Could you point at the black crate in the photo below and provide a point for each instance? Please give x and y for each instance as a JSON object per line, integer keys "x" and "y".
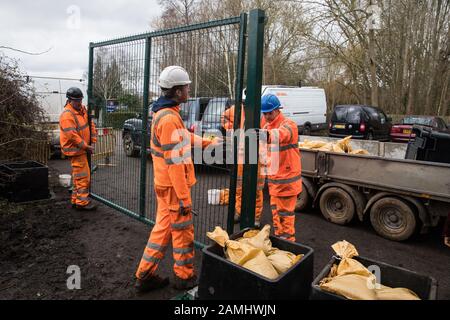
{"x": 221, "y": 279}
{"x": 24, "y": 181}
{"x": 429, "y": 145}
{"x": 395, "y": 277}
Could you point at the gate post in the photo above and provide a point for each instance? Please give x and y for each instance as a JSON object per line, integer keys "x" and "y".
{"x": 145, "y": 100}
{"x": 237, "y": 119}
{"x": 252, "y": 113}
{"x": 90, "y": 97}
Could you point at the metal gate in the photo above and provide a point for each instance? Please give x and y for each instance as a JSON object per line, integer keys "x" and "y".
{"x": 123, "y": 82}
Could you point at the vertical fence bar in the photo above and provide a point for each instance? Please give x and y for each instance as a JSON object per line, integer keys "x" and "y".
{"x": 252, "y": 113}
{"x": 90, "y": 95}
{"x": 143, "y": 180}
{"x": 237, "y": 119}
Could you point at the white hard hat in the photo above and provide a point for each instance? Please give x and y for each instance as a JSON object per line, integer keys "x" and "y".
{"x": 173, "y": 76}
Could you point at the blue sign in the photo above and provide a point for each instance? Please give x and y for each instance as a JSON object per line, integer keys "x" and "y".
{"x": 111, "y": 105}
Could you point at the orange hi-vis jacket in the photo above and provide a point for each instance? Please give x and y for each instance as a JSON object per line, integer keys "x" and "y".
{"x": 74, "y": 131}
{"x": 227, "y": 118}
{"x": 170, "y": 145}
{"x": 283, "y": 149}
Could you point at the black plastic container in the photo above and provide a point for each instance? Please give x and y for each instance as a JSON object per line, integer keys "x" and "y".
{"x": 221, "y": 279}
{"x": 395, "y": 277}
{"x": 24, "y": 181}
{"x": 429, "y": 145}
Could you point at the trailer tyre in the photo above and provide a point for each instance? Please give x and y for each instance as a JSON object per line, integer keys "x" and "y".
{"x": 393, "y": 219}
{"x": 303, "y": 200}
{"x": 337, "y": 206}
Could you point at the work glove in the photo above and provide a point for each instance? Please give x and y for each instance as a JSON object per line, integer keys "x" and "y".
{"x": 185, "y": 208}
{"x": 184, "y": 211}
{"x": 90, "y": 149}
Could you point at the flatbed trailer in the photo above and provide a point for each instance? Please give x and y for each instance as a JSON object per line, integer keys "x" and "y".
{"x": 400, "y": 197}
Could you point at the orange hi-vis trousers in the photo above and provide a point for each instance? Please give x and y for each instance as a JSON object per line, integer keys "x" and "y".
{"x": 283, "y": 216}
{"x": 169, "y": 224}
{"x": 81, "y": 177}
{"x": 259, "y": 193}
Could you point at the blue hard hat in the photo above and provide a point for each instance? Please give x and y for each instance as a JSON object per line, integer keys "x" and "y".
{"x": 270, "y": 102}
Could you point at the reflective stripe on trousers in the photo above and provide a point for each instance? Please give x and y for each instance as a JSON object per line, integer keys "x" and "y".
{"x": 169, "y": 225}
{"x": 284, "y": 216}
{"x": 81, "y": 178}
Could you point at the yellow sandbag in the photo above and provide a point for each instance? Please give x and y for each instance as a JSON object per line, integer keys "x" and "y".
{"x": 345, "y": 249}
{"x": 354, "y": 281}
{"x": 219, "y": 235}
{"x": 244, "y": 254}
{"x": 360, "y": 151}
{"x": 344, "y": 144}
{"x": 350, "y": 286}
{"x": 348, "y": 265}
{"x": 260, "y": 264}
{"x": 328, "y": 147}
{"x": 312, "y": 144}
{"x": 386, "y": 293}
{"x": 251, "y": 233}
{"x": 337, "y": 149}
{"x": 283, "y": 260}
{"x": 224, "y": 197}
{"x": 261, "y": 240}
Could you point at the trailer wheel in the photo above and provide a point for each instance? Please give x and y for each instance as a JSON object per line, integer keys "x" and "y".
{"x": 303, "y": 200}
{"x": 337, "y": 206}
{"x": 393, "y": 219}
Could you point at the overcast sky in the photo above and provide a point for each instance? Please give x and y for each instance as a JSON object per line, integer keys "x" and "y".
{"x": 36, "y": 26}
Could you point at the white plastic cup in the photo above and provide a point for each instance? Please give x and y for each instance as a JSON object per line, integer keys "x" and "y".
{"x": 65, "y": 180}
{"x": 214, "y": 197}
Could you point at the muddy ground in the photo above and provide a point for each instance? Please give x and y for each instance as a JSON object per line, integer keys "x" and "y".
{"x": 39, "y": 241}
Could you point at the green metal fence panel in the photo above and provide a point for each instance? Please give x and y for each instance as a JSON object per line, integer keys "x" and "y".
{"x": 123, "y": 81}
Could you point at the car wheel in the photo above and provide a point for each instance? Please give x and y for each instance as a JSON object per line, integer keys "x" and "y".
{"x": 129, "y": 146}
{"x": 393, "y": 219}
{"x": 307, "y": 130}
{"x": 337, "y": 206}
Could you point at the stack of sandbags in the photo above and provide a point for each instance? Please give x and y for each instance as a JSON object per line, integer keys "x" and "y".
{"x": 341, "y": 146}
{"x": 352, "y": 280}
{"x": 254, "y": 251}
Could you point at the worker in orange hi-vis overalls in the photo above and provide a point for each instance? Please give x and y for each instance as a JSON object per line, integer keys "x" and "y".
{"x": 77, "y": 141}
{"x": 174, "y": 176}
{"x": 227, "y": 122}
{"x": 283, "y": 168}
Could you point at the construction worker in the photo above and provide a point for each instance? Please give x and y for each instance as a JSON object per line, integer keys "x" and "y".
{"x": 174, "y": 176}
{"x": 227, "y": 122}
{"x": 77, "y": 140}
{"x": 284, "y": 179}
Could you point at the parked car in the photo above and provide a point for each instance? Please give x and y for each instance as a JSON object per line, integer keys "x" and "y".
{"x": 360, "y": 122}
{"x": 212, "y": 115}
{"x": 191, "y": 112}
{"x": 402, "y": 132}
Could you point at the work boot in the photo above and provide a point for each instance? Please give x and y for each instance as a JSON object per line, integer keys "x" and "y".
{"x": 185, "y": 284}
{"x": 237, "y": 218}
{"x": 151, "y": 283}
{"x": 89, "y": 207}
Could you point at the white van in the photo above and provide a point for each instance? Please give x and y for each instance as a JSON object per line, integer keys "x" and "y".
{"x": 307, "y": 106}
